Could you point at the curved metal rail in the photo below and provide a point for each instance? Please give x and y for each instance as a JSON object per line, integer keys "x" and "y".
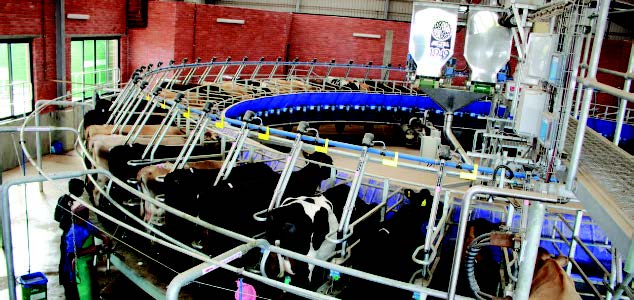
{"x": 202, "y": 119}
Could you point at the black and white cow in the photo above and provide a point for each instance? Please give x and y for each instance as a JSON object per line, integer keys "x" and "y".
{"x": 301, "y": 224}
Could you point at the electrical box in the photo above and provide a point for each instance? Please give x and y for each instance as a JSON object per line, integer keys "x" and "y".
{"x": 429, "y": 146}
{"x": 555, "y": 69}
{"x": 545, "y": 129}
{"x": 539, "y": 57}
{"x": 530, "y": 108}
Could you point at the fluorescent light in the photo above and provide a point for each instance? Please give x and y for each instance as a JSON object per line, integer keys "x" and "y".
{"x": 367, "y": 35}
{"x": 78, "y": 16}
{"x": 229, "y": 21}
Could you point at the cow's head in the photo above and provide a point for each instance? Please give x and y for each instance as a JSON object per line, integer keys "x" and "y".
{"x": 320, "y": 172}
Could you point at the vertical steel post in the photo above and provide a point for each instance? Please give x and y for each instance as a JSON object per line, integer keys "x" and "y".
{"x": 582, "y": 73}
{"x": 573, "y": 242}
{"x": 613, "y": 271}
{"x": 587, "y": 97}
{"x": 623, "y": 104}
{"x": 527, "y": 261}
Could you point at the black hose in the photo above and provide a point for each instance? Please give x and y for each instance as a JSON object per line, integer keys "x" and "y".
{"x": 506, "y": 168}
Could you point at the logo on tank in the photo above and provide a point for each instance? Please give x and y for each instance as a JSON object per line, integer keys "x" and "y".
{"x": 440, "y": 39}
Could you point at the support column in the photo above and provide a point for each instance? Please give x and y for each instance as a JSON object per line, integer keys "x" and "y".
{"x": 387, "y": 50}
{"x": 587, "y": 96}
{"x": 527, "y": 262}
{"x": 623, "y": 105}
{"x": 386, "y": 9}
{"x": 60, "y": 47}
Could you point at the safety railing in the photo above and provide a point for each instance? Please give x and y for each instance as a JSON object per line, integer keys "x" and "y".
{"x": 83, "y": 84}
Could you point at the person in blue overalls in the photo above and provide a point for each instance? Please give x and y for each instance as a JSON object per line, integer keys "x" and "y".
{"x": 79, "y": 253}
{"x": 64, "y": 216}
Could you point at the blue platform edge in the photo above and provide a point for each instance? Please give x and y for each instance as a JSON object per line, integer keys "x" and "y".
{"x": 402, "y": 102}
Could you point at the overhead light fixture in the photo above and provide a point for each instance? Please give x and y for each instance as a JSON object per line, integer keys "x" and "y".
{"x": 366, "y": 35}
{"x": 230, "y": 21}
{"x": 77, "y": 16}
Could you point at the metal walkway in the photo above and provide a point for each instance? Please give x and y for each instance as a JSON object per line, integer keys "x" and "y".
{"x": 604, "y": 184}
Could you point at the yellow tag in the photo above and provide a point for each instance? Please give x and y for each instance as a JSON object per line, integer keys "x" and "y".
{"x": 147, "y": 97}
{"x": 424, "y": 203}
{"x": 163, "y": 105}
{"x": 265, "y": 135}
{"x": 470, "y": 176}
{"x": 220, "y": 124}
{"x": 391, "y": 162}
{"x": 322, "y": 149}
{"x": 187, "y": 114}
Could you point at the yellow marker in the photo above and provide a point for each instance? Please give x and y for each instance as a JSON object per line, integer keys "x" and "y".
{"x": 322, "y": 149}
{"x": 147, "y": 97}
{"x": 265, "y": 136}
{"x": 163, "y": 105}
{"x": 470, "y": 176}
{"x": 220, "y": 124}
{"x": 187, "y": 114}
{"x": 424, "y": 203}
{"x": 391, "y": 162}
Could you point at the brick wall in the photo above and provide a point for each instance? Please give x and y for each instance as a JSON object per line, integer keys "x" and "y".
{"x": 36, "y": 19}
{"x": 155, "y": 42}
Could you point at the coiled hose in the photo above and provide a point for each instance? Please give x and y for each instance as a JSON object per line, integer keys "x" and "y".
{"x": 470, "y": 259}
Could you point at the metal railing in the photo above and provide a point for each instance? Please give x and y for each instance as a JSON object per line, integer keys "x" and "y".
{"x": 84, "y": 83}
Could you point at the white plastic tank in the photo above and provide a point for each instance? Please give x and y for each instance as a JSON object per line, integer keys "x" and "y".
{"x": 432, "y": 37}
{"x": 487, "y": 45}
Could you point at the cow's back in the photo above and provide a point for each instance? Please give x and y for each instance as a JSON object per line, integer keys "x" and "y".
{"x": 551, "y": 282}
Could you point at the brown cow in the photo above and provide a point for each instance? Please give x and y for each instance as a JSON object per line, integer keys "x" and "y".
{"x": 550, "y": 281}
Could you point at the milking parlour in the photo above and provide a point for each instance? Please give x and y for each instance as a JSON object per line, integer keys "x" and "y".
{"x": 317, "y": 150}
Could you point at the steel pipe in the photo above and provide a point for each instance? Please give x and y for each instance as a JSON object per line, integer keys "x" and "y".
{"x": 593, "y": 83}
{"x": 184, "y": 278}
{"x": 527, "y": 262}
{"x": 627, "y": 75}
{"x": 623, "y": 103}
{"x": 585, "y": 106}
{"x": 454, "y": 141}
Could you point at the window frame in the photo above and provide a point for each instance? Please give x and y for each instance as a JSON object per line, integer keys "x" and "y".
{"x": 29, "y": 43}
{"x": 94, "y": 39}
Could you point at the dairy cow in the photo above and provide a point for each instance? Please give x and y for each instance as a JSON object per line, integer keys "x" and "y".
{"x": 550, "y": 281}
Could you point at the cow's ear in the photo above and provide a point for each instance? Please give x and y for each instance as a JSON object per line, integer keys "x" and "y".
{"x": 321, "y": 227}
{"x": 562, "y": 261}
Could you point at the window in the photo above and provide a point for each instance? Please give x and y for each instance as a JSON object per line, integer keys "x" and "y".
{"x": 16, "y": 91}
{"x": 93, "y": 62}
